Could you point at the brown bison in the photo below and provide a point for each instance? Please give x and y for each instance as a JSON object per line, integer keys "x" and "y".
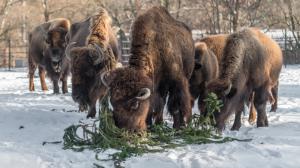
{"x": 161, "y": 64}
{"x": 217, "y": 43}
{"x": 206, "y": 69}
{"x": 246, "y": 66}
{"x": 47, "y": 51}
{"x": 92, "y": 49}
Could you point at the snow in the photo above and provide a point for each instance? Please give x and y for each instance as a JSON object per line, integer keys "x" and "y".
{"x": 27, "y": 119}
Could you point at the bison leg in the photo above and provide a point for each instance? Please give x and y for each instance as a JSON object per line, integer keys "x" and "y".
{"x": 159, "y": 104}
{"x": 252, "y": 112}
{"x": 195, "y": 92}
{"x": 64, "y": 84}
{"x": 237, "y": 120}
{"x": 55, "y": 86}
{"x": 260, "y": 102}
{"x": 275, "y": 96}
{"x": 42, "y": 74}
{"x": 92, "y": 110}
{"x": 201, "y": 103}
{"x": 32, "y": 68}
{"x": 179, "y": 103}
{"x": 97, "y": 92}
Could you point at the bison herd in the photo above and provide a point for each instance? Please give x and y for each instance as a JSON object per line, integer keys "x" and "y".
{"x": 166, "y": 67}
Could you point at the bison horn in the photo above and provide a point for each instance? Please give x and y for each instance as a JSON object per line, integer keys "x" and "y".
{"x": 103, "y": 80}
{"x": 144, "y": 94}
{"x": 68, "y": 50}
{"x": 227, "y": 91}
{"x": 99, "y": 58}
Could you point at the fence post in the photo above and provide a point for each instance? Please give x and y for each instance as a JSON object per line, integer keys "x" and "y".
{"x": 285, "y": 48}
{"x": 9, "y": 55}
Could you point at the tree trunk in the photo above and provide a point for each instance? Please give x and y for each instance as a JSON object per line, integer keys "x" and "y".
{"x": 235, "y": 18}
{"x": 46, "y": 10}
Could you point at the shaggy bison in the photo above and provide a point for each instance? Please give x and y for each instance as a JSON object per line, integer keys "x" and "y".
{"x": 206, "y": 69}
{"x": 161, "y": 64}
{"x": 47, "y": 51}
{"x": 92, "y": 49}
{"x": 246, "y": 66}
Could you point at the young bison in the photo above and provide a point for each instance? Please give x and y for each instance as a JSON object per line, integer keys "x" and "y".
{"x": 206, "y": 69}
{"x": 92, "y": 49}
{"x": 47, "y": 51}
{"x": 161, "y": 64}
{"x": 246, "y": 66}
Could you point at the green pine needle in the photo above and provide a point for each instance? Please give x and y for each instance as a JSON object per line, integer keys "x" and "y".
{"x": 157, "y": 139}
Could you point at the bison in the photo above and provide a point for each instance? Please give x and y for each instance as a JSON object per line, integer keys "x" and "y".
{"x": 246, "y": 66}
{"x": 206, "y": 69}
{"x": 161, "y": 63}
{"x": 47, "y": 52}
{"x": 92, "y": 49}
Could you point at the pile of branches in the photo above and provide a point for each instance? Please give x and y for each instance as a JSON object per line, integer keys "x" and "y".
{"x": 102, "y": 134}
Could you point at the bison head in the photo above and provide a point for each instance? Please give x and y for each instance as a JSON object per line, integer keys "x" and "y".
{"x": 55, "y": 48}
{"x": 86, "y": 62}
{"x": 130, "y": 92}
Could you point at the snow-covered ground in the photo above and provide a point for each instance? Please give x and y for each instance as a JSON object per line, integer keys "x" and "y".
{"x": 27, "y": 119}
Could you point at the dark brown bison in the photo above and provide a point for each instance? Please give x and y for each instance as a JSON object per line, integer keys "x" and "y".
{"x": 161, "y": 64}
{"x": 206, "y": 69}
{"x": 246, "y": 67}
{"x": 92, "y": 49}
{"x": 47, "y": 51}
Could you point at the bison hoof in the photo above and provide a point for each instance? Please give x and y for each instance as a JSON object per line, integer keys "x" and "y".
{"x": 235, "y": 127}
{"x": 90, "y": 116}
{"x": 262, "y": 123}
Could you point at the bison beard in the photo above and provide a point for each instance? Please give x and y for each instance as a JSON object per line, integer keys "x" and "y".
{"x": 46, "y": 51}
{"x": 162, "y": 61}
{"x": 92, "y": 49}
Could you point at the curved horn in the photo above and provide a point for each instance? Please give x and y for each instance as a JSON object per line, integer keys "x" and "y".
{"x": 144, "y": 94}
{"x": 100, "y": 54}
{"x": 227, "y": 91}
{"x": 102, "y": 77}
{"x": 68, "y": 49}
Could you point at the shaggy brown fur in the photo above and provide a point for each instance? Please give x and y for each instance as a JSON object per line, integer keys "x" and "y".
{"x": 95, "y": 50}
{"x": 247, "y": 66}
{"x": 206, "y": 69}
{"x": 162, "y": 60}
{"x": 46, "y": 51}
{"x": 217, "y": 42}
